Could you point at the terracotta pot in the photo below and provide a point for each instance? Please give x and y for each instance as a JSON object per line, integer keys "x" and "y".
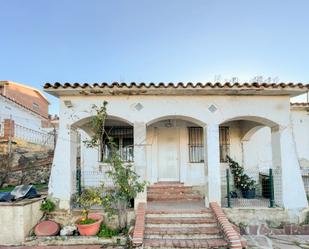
{"x": 90, "y": 229}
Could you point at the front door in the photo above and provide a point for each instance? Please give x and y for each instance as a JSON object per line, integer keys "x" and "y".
{"x": 168, "y": 148}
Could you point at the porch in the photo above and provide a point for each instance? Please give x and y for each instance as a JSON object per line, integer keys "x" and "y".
{"x": 173, "y": 149}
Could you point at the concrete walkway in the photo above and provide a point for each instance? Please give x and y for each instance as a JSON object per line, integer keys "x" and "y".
{"x": 278, "y": 241}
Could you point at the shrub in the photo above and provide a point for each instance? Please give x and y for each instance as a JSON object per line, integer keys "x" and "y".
{"x": 47, "y": 206}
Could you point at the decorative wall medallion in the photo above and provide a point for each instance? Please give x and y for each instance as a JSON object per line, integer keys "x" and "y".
{"x": 212, "y": 108}
{"x": 138, "y": 106}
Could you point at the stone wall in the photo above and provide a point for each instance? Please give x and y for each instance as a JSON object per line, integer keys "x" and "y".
{"x": 30, "y": 163}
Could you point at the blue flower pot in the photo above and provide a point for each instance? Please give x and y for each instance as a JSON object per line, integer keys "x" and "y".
{"x": 248, "y": 193}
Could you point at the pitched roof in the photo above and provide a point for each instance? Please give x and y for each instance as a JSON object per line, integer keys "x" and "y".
{"x": 227, "y": 88}
{"x": 23, "y": 106}
{"x": 300, "y": 106}
{"x": 7, "y": 82}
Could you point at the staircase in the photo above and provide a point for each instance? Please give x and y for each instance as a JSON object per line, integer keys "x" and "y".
{"x": 176, "y": 218}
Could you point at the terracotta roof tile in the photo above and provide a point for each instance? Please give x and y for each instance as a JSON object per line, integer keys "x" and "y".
{"x": 300, "y": 104}
{"x": 189, "y": 85}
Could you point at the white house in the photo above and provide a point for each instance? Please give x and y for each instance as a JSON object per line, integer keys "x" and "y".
{"x": 23, "y": 111}
{"x": 183, "y": 132}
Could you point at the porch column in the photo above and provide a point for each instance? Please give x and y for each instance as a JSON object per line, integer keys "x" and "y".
{"x": 288, "y": 184}
{"x": 62, "y": 179}
{"x": 140, "y": 159}
{"x": 212, "y": 164}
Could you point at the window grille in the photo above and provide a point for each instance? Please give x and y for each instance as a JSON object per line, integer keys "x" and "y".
{"x": 224, "y": 137}
{"x": 122, "y": 138}
{"x": 196, "y": 145}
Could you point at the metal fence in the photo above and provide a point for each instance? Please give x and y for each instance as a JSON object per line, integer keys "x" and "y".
{"x": 33, "y": 136}
{"x": 261, "y": 194}
{"x": 92, "y": 178}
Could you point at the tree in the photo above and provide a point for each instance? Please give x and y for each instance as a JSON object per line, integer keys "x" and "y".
{"x": 98, "y": 128}
{"x": 127, "y": 185}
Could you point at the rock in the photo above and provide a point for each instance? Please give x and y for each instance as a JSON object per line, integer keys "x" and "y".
{"x": 67, "y": 230}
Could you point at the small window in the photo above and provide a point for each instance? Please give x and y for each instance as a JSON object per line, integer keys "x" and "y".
{"x": 196, "y": 145}
{"x": 122, "y": 138}
{"x": 35, "y": 106}
{"x": 224, "y": 136}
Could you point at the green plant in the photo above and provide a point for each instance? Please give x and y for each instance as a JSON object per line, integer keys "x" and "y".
{"x": 241, "y": 180}
{"x": 126, "y": 182}
{"x": 47, "y": 206}
{"x": 106, "y": 232}
{"x": 89, "y": 197}
{"x": 98, "y": 129}
{"x": 126, "y": 187}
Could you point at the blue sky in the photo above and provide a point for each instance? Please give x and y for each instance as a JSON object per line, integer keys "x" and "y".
{"x": 159, "y": 40}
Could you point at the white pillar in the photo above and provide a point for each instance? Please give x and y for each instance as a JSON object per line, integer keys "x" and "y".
{"x": 288, "y": 183}
{"x": 140, "y": 159}
{"x": 62, "y": 179}
{"x": 212, "y": 164}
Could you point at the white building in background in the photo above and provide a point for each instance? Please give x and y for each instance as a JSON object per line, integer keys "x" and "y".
{"x": 23, "y": 113}
{"x": 183, "y": 132}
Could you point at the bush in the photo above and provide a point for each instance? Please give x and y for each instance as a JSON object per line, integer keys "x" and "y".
{"x": 47, "y": 206}
{"x": 106, "y": 232}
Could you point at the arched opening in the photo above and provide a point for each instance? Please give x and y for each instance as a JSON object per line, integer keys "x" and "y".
{"x": 176, "y": 149}
{"x": 250, "y": 145}
{"x": 92, "y": 160}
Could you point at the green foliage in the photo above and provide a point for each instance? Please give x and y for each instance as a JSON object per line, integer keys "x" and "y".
{"x": 106, "y": 232}
{"x": 241, "y": 180}
{"x": 127, "y": 186}
{"x": 97, "y": 126}
{"x": 86, "y": 221}
{"x": 47, "y": 206}
{"x": 126, "y": 181}
{"x": 90, "y": 197}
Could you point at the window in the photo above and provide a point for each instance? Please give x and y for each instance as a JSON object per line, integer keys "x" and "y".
{"x": 35, "y": 106}
{"x": 196, "y": 145}
{"x": 224, "y": 137}
{"x": 122, "y": 137}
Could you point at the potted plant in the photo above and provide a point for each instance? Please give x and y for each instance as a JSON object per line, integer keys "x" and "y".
{"x": 241, "y": 180}
{"x": 89, "y": 224}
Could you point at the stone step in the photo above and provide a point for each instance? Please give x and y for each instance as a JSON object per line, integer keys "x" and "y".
{"x": 182, "y": 230}
{"x": 180, "y": 215}
{"x": 168, "y": 183}
{"x": 200, "y": 211}
{"x": 182, "y": 220}
{"x": 181, "y": 190}
{"x": 180, "y": 225}
{"x": 185, "y": 243}
{"x": 182, "y": 236}
{"x": 173, "y": 197}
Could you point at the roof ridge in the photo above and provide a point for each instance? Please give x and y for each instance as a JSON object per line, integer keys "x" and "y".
{"x": 175, "y": 85}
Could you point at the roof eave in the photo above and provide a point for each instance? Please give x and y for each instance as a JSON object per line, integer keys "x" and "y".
{"x": 97, "y": 91}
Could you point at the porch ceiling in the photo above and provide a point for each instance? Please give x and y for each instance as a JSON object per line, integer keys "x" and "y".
{"x": 266, "y": 89}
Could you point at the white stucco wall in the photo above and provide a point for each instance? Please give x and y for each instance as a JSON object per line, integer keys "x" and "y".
{"x": 19, "y": 114}
{"x": 268, "y": 110}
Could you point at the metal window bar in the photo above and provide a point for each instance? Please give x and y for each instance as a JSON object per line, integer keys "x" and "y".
{"x": 196, "y": 145}
{"x": 224, "y": 141}
{"x": 123, "y": 138}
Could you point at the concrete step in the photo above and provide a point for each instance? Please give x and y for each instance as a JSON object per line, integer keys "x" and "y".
{"x": 180, "y": 220}
{"x": 183, "y": 211}
{"x": 183, "y": 236}
{"x": 179, "y": 215}
{"x": 182, "y": 231}
{"x": 185, "y": 243}
{"x": 173, "y": 197}
{"x": 181, "y": 225}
